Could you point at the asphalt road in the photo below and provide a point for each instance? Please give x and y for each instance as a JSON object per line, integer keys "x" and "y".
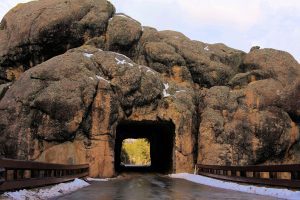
{"x": 158, "y": 187}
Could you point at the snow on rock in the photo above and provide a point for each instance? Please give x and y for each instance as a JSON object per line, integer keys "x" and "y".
{"x": 101, "y": 78}
{"x": 206, "y": 48}
{"x": 88, "y": 55}
{"x": 166, "y": 86}
{"x": 120, "y": 62}
{"x": 165, "y": 93}
{"x": 149, "y": 70}
{"x": 122, "y": 15}
{"x": 274, "y": 192}
{"x": 46, "y": 193}
{"x": 178, "y": 91}
{"x": 122, "y": 55}
{"x": 123, "y": 62}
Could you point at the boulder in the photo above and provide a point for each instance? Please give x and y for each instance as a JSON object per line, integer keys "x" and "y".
{"x": 66, "y": 98}
{"x": 255, "y": 116}
{"x": 122, "y": 33}
{"x": 232, "y": 133}
{"x": 162, "y": 56}
{"x": 208, "y": 64}
{"x": 36, "y": 31}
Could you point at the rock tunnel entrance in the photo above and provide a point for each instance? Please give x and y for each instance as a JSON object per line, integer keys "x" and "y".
{"x": 295, "y": 118}
{"x": 160, "y": 135}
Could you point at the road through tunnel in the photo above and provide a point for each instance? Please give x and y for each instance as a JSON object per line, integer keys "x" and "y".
{"x": 160, "y": 135}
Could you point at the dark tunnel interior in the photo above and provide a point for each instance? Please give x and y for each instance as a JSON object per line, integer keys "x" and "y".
{"x": 161, "y": 137}
{"x": 295, "y": 118}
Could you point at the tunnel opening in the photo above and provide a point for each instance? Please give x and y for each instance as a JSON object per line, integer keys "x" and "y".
{"x": 295, "y": 118}
{"x": 160, "y": 135}
{"x": 135, "y": 152}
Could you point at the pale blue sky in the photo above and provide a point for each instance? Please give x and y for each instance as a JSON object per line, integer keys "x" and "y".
{"x": 237, "y": 23}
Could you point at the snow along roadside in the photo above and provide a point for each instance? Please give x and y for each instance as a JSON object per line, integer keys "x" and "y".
{"x": 46, "y": 193}
{"x": 99, "y": 179}
{"x": 273, "y": 192}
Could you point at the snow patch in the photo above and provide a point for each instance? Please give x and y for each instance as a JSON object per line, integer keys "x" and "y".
{"x": 206, "y": 48}
{"x": 101, "y": 78}
{"x": 151, "y": 71}
{"x": 278, "y": 193}
{"x": 165, "y": 93}
{"x": 166, "y": 86}
{"x": 119, "y": 54}
{"x": 97, "y": 179}
{"x": 120, "y": 62}
{"x": 123, "y": 62}
{"x": 122, "y": 15}
{"x": 88, "y": 55}
{"x": 47, "y": 193}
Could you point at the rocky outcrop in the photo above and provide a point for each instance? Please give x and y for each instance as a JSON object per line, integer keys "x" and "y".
{"x": 84, "y": 93}
{"x": 36, "y": 31}
{"x": 251, "y": 123}
{"x": 71, "y": 71}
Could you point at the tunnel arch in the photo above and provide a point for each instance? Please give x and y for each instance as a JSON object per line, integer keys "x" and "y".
{"x": 161, "y": 135}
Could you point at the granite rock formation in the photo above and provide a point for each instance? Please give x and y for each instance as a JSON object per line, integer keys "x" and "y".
{"x": 71, "y": 71}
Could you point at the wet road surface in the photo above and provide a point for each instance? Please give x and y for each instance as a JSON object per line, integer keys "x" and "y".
{"x": 158, "y": 187}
